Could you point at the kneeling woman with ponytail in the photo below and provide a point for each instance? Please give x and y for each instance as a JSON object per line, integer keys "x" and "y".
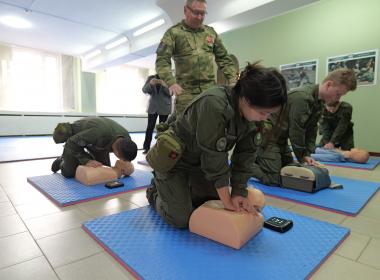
{"x": 214, "y": 123}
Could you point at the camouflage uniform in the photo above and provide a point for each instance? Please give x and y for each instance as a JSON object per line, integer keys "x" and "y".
{"x": 89, "y": 139}
{"x": 299, "y": 125}
{"x": 210, "y": 126}
{"x": 194, "y": 52}
{"x": 337, "y": 127}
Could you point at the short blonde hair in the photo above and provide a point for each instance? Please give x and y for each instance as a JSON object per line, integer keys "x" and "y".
{"x": 343, "y": 76}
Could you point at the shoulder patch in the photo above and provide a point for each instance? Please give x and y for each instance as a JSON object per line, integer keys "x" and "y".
{"x": 258, "y": 139}
{"x": 221, "y": 144}
{"x": 161, "y": 47}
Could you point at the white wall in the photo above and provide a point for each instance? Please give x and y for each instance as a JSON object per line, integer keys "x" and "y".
{"x": 12, "y": 124}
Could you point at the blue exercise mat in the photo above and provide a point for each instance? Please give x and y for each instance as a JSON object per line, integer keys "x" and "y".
{"x": 151, "y": 249}
{"x": 20, "y": 148}
{"x": 64, "y": 192}
{"x": 349, "y": 200}
{"x": 370, "y": 165}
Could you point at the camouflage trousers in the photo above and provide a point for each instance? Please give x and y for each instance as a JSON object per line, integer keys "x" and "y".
{"x": 179, "y": 192}
{"x": 70, "y": 163}
{"x": 269, "y": 161}
{"x": 181, "y": 102}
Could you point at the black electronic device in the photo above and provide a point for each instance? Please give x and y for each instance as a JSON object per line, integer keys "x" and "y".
{"x": 114, "y": 184}
{"x": 278, "y": 224}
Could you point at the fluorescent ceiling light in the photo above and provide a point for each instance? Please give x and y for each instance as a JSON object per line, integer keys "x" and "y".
{"x": 221, "y": 27}
{"x": 15, "y": 22}
{"x": 92, "y": 54}
{"x": 149, "y": 27}
{"x": 116, "y": 43}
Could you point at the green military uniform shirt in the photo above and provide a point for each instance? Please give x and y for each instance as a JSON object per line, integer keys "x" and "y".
{"x": 194, "y": 52}
{"x": 96, "y": 134}
{"x": 337, "y": 127}
{"x": 303, "y": 111}
{"x": 210, "y": 127}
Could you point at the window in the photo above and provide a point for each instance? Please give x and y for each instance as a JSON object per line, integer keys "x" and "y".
{"x": 30, "y": 81}
{"x": 118, "y": 90}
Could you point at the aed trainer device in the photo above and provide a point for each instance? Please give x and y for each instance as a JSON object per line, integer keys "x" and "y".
{"x": 114, "y": 184}
{"x": 278, "y": 224}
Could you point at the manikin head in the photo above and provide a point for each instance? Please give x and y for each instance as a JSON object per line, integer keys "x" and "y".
{"x": 195, "y": 12}
{"x": 357, "y": 155}
{"x": 125, "y": 168}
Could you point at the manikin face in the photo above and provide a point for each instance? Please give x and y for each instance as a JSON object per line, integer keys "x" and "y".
{"x": 332, "y": 92}
{"x": 195, "y": 14}
{"x": 254, "y": 113}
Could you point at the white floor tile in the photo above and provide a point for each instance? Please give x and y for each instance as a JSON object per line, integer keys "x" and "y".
{"x": 17, "y": 249}
{"x": 67, "y": 247}
{"x": 97, "y": 267}
{"x": 35, "y": 269}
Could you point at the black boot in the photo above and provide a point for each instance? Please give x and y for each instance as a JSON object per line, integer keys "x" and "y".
{"x": 56, "y": 165}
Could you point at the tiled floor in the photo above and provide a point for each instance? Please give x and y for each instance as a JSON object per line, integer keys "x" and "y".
{"x": 39, "y": 240}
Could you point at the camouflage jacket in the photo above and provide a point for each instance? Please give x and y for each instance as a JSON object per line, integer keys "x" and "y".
{"x": 336, "y": 126}
{"x": 194, "y": 52}
{"x": 300, "y": 123}
{"x": 95, "y": 134}
{"x": 210, "y": 127}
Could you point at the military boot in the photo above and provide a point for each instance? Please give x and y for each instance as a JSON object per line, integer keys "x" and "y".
{"x": 56, "y": 165}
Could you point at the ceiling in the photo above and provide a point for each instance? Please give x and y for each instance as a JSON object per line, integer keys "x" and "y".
{"x": 77, "y": 27}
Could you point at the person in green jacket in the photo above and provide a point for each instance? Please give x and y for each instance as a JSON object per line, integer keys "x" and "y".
{"x": 195, "y": 48}
{"x": 336, "y": 126}
{"x": 214, "y": 123}
{"x": 299, "y": 125}
{"x": 89, "y": 142}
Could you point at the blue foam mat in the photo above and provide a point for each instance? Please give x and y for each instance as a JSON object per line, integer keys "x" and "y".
{"x": 349, "y": 200}
{"x": 370, "y": 165}
{"x": 64, "y": 192}
{"x": 20, "y": 148}
{"x": 151, "y": 249}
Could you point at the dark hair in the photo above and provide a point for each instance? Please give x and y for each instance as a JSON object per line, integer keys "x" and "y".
{"x": 127, "y": 148}
{"x": 261, "y": 86}
{"x": 62, "y": 132}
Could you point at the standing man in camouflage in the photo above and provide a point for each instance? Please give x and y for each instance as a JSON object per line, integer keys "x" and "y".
{"x": 299, "y": 124}
{"x": 336, "y": 126}
{"x": 89, "y": 142}
{"x": 194, "y": 47}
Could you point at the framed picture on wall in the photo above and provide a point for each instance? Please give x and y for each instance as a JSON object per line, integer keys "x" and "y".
{"x": 363, "y": 63}
{"x": 300, "y": 73}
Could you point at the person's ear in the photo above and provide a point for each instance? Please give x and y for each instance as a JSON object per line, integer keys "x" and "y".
{"x": 329, "y": 83}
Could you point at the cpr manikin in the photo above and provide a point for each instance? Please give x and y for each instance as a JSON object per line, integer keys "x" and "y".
{"x": 96, "y": 175}
{"x": 356, "y": 155}
{"x": 230, "y": 228}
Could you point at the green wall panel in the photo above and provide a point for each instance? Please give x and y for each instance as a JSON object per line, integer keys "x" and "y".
{"x": 326, "y": 28}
